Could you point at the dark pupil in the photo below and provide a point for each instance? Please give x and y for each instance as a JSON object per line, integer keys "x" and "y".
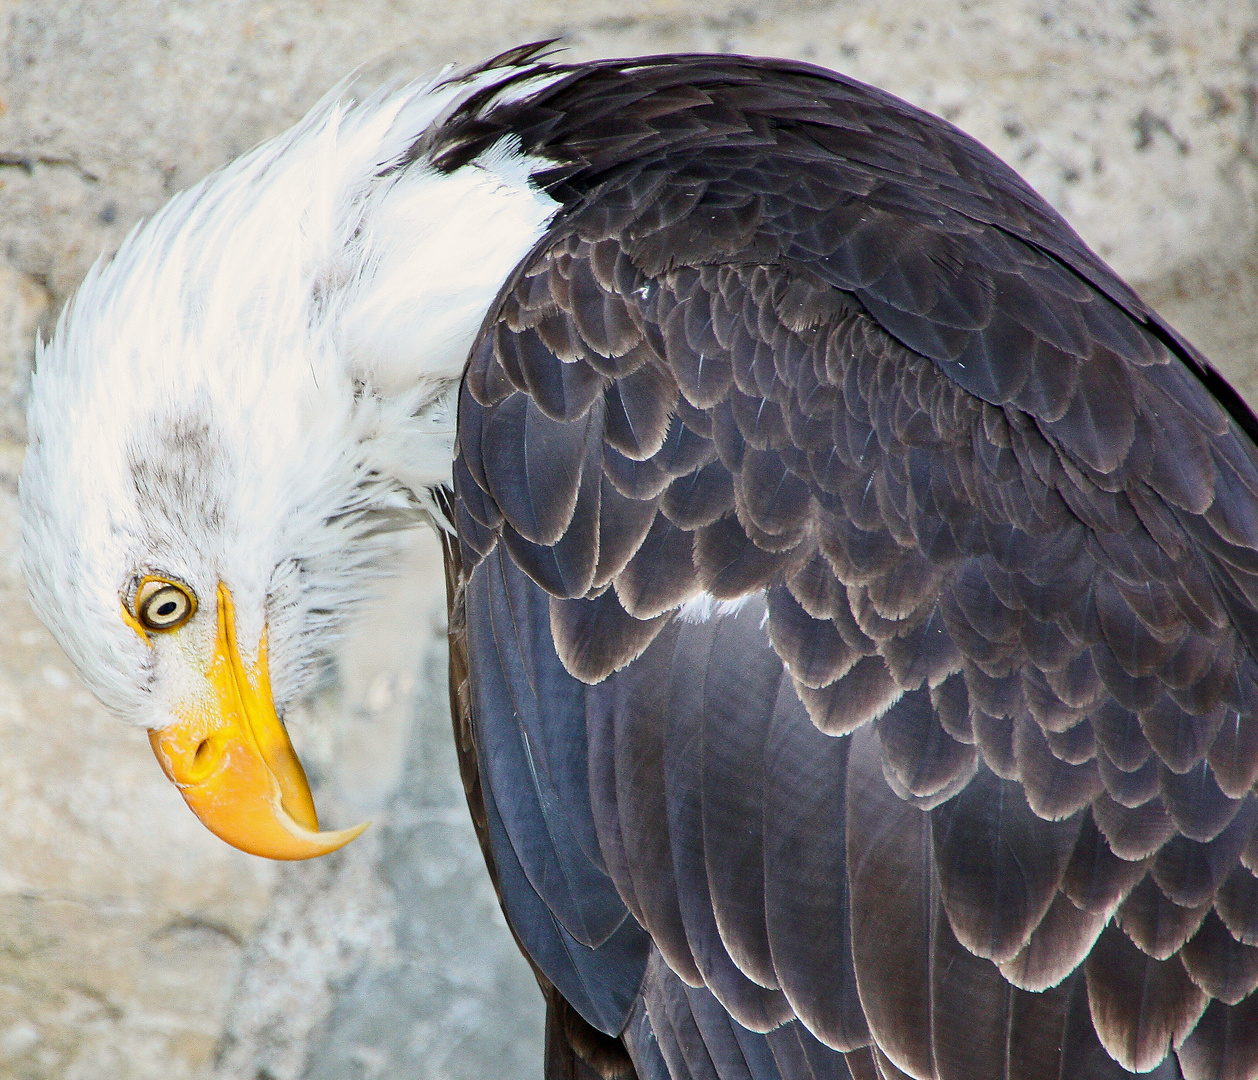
{"x": 167, "y": 608}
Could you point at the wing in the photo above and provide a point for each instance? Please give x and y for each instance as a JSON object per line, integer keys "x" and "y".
{"x": 860, "y": 612}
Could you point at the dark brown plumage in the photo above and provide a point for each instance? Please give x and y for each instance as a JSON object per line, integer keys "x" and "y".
{"x": 964, "y": 789}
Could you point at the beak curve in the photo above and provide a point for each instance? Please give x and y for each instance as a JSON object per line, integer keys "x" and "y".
{"x": 233, "y": 763}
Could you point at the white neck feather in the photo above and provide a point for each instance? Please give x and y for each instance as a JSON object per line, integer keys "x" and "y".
{"x": 433, "y": 252}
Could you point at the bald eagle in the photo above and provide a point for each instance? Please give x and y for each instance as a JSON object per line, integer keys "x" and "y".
{"x": 853, "y": 585}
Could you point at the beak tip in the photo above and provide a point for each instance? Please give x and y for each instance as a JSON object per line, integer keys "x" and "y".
{"x": 284, "y": 840}
{"x": 306, "y": 844}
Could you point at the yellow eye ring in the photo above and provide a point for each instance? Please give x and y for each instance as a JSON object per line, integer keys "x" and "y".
{"x": 162, "y": 605}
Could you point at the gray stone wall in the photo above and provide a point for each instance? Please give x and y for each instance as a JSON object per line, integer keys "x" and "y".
{"x": 135, "y": 945}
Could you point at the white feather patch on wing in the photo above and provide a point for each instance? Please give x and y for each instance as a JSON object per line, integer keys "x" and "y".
{"x": 705, "y": 606}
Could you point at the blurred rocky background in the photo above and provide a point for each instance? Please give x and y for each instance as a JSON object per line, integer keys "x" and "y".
{"x": 133, "y": 945}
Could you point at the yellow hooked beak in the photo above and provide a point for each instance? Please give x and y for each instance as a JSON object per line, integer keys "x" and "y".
{"x": 231, "y": 759}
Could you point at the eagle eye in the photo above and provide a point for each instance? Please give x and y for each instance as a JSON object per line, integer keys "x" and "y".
{"x": 163, "y": 605}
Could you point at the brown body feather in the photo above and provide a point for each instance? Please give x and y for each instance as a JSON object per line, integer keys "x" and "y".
{"x": 965, "y": 787}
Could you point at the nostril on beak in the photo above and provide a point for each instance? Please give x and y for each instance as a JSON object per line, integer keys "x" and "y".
{"x": 202, "y": 750}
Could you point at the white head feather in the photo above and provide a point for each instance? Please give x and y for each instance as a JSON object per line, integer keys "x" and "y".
{"x": 267, "y": 363}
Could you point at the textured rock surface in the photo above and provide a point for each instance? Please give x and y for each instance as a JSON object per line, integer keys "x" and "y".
{"x": 133, "y": 944}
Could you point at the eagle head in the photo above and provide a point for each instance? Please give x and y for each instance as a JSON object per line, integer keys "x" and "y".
{"x": 235, "y": 409}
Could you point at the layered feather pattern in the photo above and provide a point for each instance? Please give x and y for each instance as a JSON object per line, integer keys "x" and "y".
{"x": 962, "y": 785}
